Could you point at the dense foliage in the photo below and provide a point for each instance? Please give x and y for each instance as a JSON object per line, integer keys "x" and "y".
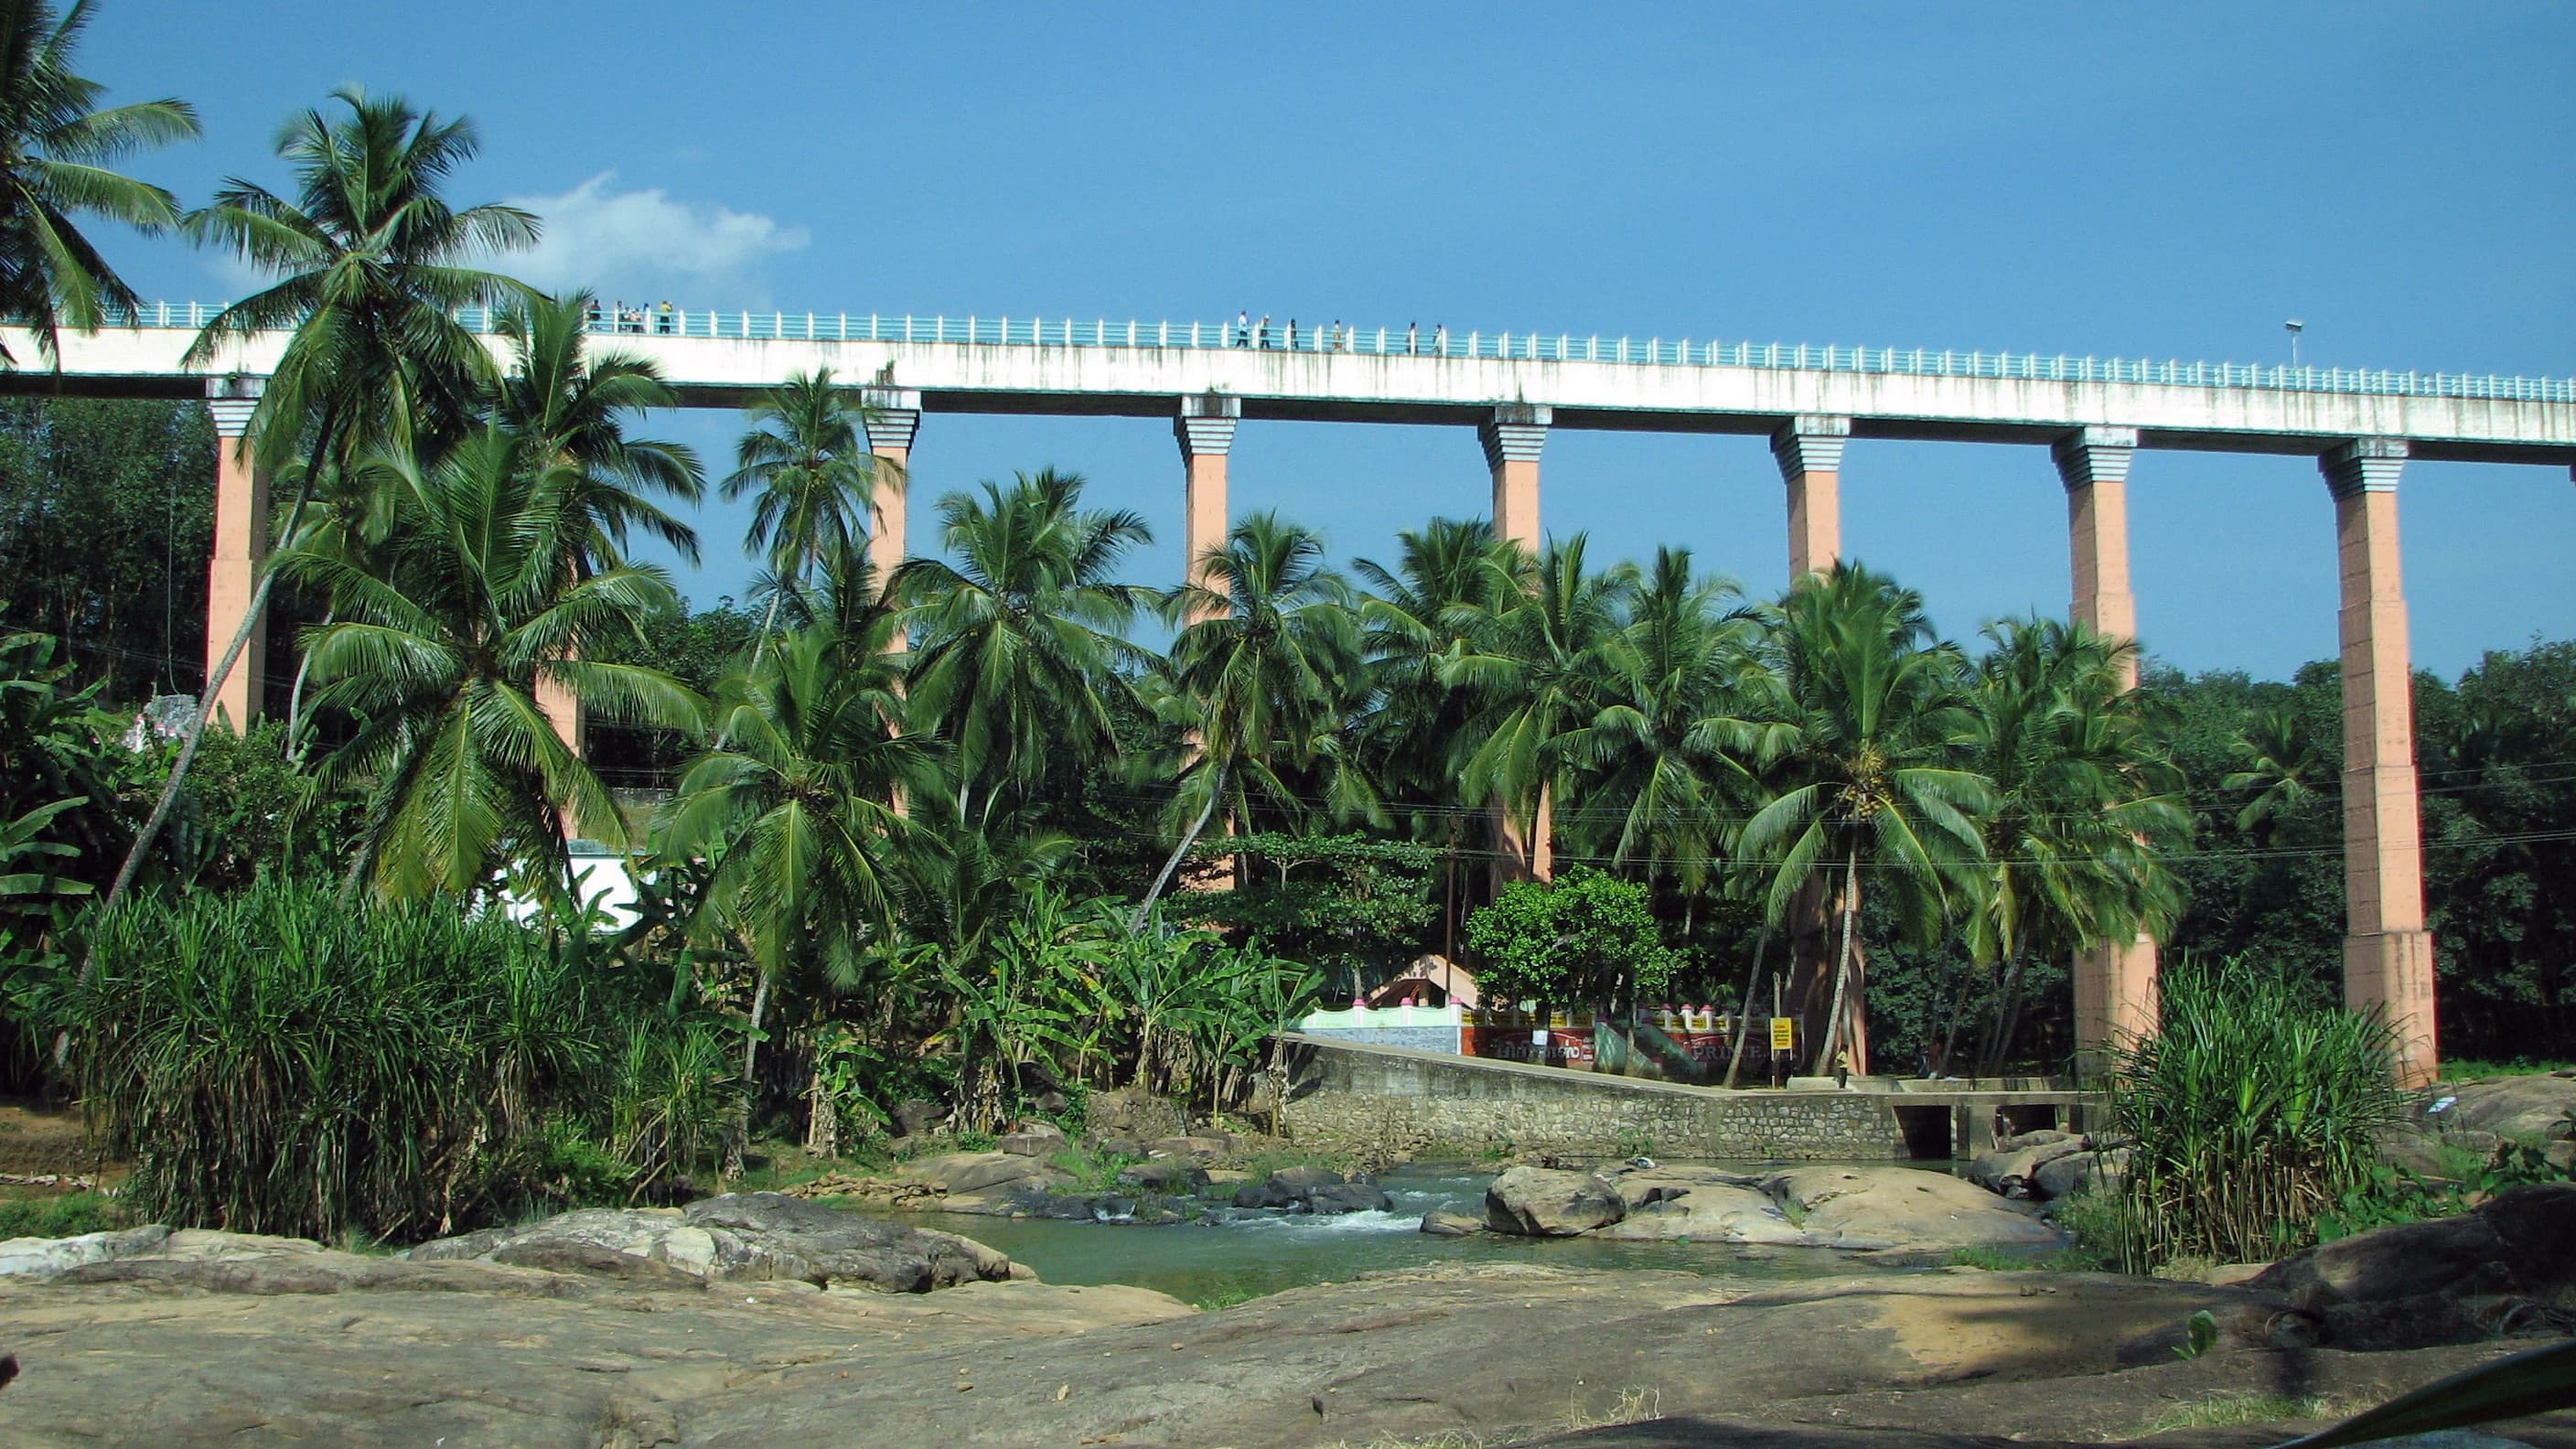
{"x": 2251, "y": 1115}
{"x": 954, "y": 830}
{"x": 273, "y": 1062}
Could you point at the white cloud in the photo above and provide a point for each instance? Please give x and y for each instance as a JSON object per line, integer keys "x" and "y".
{"x": 634, "y": 242}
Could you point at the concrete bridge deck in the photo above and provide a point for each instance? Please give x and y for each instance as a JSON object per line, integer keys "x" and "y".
{"x": 1137, "y": 369}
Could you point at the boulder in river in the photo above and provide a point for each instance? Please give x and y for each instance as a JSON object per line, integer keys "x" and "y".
{"x": 1541, "y": 1202}
{"x": 1313, "y": 1190}
{"x": 1443, "y": 1224}
{"x": 1172, "y": 1179}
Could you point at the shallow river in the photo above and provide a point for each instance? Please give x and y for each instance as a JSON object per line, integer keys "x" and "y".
{"x": 1225, "y": 1262}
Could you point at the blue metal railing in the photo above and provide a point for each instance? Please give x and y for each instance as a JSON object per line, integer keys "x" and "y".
{"x": 1533, "y": 346}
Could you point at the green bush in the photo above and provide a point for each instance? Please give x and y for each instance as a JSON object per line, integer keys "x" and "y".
{"x": 282, "y": 1061}
{"x": 2253, "y": 1113}
{"x": 61, "y": 1216}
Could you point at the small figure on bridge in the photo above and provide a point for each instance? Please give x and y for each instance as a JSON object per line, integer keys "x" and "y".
{"x": 1243, "y": 328}
{"x": 1412, "y": 338}
{"x": 1263, "y": 336}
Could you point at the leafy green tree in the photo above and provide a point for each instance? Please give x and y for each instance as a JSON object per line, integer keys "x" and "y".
{"x": 440, "y": 662}
{"x": 1265, "y": 679}
{"x": 1881, "y": 770}
{"x": 1021, "y": 638}
{"x": 58, "y": 151}
{"x": 1357, "y": 909}
{"x": 106, "y": 521}
{"x": 1585, "y": 937}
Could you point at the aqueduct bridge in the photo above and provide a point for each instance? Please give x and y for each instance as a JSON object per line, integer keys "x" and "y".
{"x": 1513, "y": 388}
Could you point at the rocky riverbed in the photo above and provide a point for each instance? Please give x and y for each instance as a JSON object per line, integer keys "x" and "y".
{"x": 205, "y": 1339}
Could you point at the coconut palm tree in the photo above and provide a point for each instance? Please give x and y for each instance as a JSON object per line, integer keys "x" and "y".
{"x": 440, "y": 658}
{"x": 1263, "y": 680}
{"x": 2282, "y": 768}
{"x": 2082, "y": 801}
{"x": 1447, "y": 580}
{"x": 1535, "y": 666}
{"x": 576, "y": 404}
{"x": 371, "y": 264}
{"x": 1021, "y": 636}
{"x": 806, "y": 459}
{"x": 1880, "y": 773}
{"x": 1667, "y": 762}
{"x": 57, "y": 154}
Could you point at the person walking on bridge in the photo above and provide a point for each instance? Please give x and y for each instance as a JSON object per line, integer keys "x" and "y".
{"x": 1261, "y": 338}
{"x": 1243, "y": 328}
{"x": 1412, "y": 338}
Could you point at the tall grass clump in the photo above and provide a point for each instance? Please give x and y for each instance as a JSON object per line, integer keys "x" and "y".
{"x": 2251, "y": 1113}
{"x": 282, "y": 1061}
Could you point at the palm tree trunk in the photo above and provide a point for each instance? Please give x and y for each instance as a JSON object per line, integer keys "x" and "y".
{"x": 1216, "y": 788}
{"x": 1958, "y": 1014}
{"x": 252, "y": 621}
{"x": 750, "y": 1088}
{"x": 1752, "y": 984}
{"x": 2007, "y": 1010}
{"x": 2000, "y": 1032}
{"x": 187, "y": 753}
{"x": 1842, "y": 968}
{"x": 295, "y": 700}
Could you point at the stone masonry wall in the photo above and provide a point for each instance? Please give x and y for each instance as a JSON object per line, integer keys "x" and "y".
{"x": 1377, "y": 1095}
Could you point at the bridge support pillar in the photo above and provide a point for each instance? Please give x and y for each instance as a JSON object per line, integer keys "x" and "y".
{"x": 1514, "y": 437}
{"x": 2115, "y": 983}
{"x": 1205, "y": 429}
{"x": 892, "y": 417}
{"x": 241, "y": 546}
{"x": 1809, "y": 450}
{"x": 2387, "y": 953}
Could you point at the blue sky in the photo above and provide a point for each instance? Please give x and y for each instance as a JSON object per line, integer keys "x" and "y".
{"x": 2169, "y": 181}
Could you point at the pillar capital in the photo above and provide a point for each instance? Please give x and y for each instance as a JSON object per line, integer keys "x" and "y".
{"x": 1810, "y": 443}
{"x": 2094, "y": 455}
{"x": 1205, "y": 426}
{"x": 2364, "y": 465}
{"x": 1516, "y": 433}
{"x": 893, "y": 417}
{"x": 232, "y": 400}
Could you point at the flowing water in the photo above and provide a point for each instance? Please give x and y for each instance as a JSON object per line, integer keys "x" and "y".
{"x": 1250, "y": 1255}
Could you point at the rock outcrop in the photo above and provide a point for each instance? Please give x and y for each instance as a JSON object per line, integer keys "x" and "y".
{"x": 758, "y": 1236}
{"x": 1868, "y": 1209}
{"x": 2508, "y": 1266}
{"x": 1542, "y": 1202}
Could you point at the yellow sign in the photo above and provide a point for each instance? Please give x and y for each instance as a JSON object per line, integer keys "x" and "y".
{"x": 1781, "y": 1026}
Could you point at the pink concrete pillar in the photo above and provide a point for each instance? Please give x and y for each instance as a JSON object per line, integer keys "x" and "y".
{"x": 241, "y": 545}
{"x": 1514, "y": 437}
{"x": 1205, "y": 429}
{"x": 2115, "y": 981}
{"x": 893, "y": 418}
{"x": 1810, "y": 453}
{"x": 2387, "y": 953}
